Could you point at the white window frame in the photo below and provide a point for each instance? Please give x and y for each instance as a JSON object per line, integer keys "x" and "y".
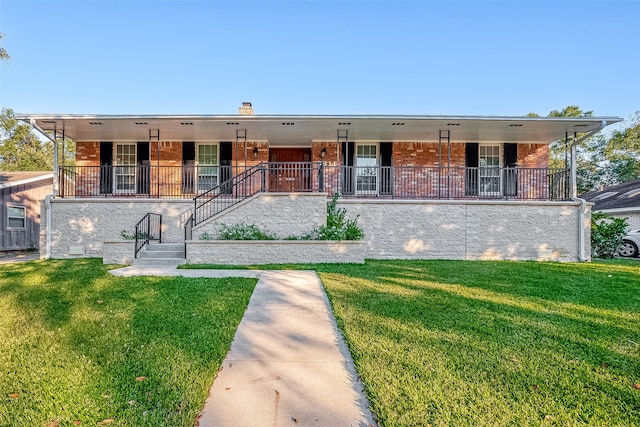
{"x": 361, "y": 169}
{"x": 124, "y": 169}
{"x": 494, "y": 176}
{"x": 206, "y": 171}
{"x": 23, "y": 218}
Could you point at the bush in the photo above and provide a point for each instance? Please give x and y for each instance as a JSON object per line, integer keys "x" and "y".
{"x": 244, "y": 231}
{"x": 337, "y": 226}
{"x": 607, "y": 233}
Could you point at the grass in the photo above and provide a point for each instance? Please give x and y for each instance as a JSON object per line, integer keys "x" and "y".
{"x": 81, "y": 347}
{"x": 438, "y": 343}
{"x": 446, "y": 343}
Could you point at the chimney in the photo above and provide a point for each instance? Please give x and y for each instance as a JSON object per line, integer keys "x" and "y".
{"x": 246, "y": 109}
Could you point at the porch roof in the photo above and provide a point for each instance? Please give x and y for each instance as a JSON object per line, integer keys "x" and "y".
{"x": 292, "y": 130}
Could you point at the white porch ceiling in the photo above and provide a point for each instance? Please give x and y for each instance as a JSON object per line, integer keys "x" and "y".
{"x": 301, "y": 130}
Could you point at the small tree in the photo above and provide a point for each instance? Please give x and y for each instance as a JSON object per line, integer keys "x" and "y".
{"x": 607, "y": 233}
{"x": 338, "y": 227}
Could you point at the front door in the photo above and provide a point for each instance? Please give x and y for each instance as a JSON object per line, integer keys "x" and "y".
{"x": 290, "y": 169}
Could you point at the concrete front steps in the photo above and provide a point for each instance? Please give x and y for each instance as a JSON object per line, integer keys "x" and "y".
{"x": 161, "y": 254}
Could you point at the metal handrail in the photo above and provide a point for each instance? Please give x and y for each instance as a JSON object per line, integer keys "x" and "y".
{"x": 148, "y": 228}
{"x": 228, "y": 193}
{"x": 188, "y": 232}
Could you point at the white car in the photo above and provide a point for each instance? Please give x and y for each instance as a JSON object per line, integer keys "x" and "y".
{"x": 630, "y": 244}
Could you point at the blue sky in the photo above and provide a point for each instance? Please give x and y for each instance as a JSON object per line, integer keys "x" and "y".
{"x": 317, "y": 57}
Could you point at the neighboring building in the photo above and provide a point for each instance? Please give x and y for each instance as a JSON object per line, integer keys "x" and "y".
{"x": 461, "y": 187}
{"x": 620, "y": 201}
{"x": 21, "y": 193}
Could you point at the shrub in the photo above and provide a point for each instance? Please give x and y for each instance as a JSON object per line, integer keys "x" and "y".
{"x": 244, "y": 231}
{"x": 338, "y": 227}
{"x": 132, "y": 236}
{"x": 607, "y": 233}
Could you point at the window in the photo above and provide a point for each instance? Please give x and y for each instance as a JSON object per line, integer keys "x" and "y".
{"x": 366, "y": 168}
{"x": 488, "y": 168}
{"x": 125, "y": 168}
{"x": 16, "y": 217}
{"x": 207, "y": 166}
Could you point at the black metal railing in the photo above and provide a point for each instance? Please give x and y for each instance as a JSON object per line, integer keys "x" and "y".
{"x": 229, "y": 193}
{"x": 409, "y": 182}
{"x": 148, "y": 228}
{"x": 188, "y": 232}
{"x": 219, "y": 187}
{"x": 182, "y": 182}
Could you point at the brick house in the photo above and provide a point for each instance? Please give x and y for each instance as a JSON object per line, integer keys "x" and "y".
{"x": 467, "y": 187}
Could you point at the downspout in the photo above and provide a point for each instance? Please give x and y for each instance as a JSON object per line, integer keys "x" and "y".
{"x": 574, "y": 190}
{"x": 48, "y": 197}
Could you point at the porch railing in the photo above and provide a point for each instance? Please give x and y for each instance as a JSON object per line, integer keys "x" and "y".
{"x": 212, "y": 185}
{"x": 148, "y": 228}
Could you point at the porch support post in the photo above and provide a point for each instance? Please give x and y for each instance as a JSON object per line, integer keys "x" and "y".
{"x": 154, "y": 134}
{"x": 241, "y": 135}
{"x": 343, "y": 136}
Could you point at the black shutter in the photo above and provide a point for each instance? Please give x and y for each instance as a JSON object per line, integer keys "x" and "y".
{"x": 106, "y": 167}
{"x": 471, "y": 175}
{"x": 188, "y": 167}
{"x": 348, "y": 174}
{"x": 226, "y": 157}
{"x": 143, "y": 173}
{"x": 386, "y": 177}
{"x": 510, "y": 178}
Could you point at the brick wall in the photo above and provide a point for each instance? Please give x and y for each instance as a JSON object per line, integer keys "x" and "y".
{"x": 533, "y": 155}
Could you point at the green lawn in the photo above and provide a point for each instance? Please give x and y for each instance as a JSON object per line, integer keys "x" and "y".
{"x": 441, "y": 343}
{"x": 78, "y": 345}
{"x": 455, "y": 343}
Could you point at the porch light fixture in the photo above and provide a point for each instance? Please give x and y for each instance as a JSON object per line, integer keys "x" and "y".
{"x": 323, "y": 152}
{"x": 255, "y": 152}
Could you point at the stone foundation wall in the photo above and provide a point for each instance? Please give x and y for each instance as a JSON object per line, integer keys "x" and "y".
{"x": 394, "y": 229}
{"x": 283, "y": 214}
{"x": 82, "y": 225}
{"x": 469, "y": 229}
{"x": 274, "y": 252}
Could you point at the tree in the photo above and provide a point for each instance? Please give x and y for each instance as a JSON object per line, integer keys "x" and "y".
{"x": 558, "y": 150}
{"x": 622, "y": 151}
{"x": 20, "y": 148}
{"x": 4, "y": 56}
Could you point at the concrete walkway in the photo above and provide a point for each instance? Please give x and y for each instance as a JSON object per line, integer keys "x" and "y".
{"x": 288, "y": 364}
